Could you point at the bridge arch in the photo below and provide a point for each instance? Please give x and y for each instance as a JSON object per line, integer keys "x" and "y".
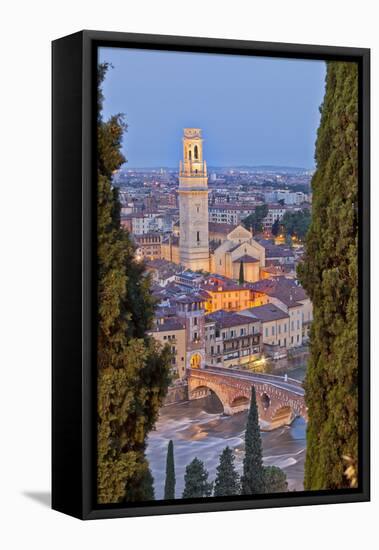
{"x": 265, "y": 400}
{"x": 282, "y": 415}
{"x": 203, "y": 390}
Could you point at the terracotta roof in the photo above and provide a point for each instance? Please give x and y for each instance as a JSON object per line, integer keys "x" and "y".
{"x": 288, "y": 291}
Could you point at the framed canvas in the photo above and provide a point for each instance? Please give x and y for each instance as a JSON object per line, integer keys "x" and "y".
{"x": 210, "y": 275}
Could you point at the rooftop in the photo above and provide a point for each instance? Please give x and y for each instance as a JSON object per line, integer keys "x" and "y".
{"x": 226, "y": 319}
{"x": 224, "y": 228}
{"x": 221, "y": 284}
{"x": 246, "y": 259}
{"x": 173, "y": 323}
{"x": 267, "y": 312}
{"x": 288, "y": 291}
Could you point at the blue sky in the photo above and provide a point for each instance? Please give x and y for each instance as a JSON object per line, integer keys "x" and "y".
{"x": 253, "y": 110}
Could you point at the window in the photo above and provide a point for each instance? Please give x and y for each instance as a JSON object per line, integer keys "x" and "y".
{"x": 195, "y": 321}
{"x": 196, "y": 152}
{"x": 285, "y": 327}
{"x": 266, "y": 331}
{"x": 273, "y": 331}
{"x": 292, "y": 327}
{"x": 298, "y": 338}
{"x": 298, "y": 324}
{"x": 198, "y": 236}
{"x": 280, "y": 329}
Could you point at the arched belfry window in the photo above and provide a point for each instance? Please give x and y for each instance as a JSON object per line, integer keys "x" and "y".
{"x": 196, "y": 152}
{"x": 190, "y": 154}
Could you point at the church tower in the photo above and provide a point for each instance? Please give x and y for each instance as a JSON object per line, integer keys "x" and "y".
{"x": 193, "y": 203}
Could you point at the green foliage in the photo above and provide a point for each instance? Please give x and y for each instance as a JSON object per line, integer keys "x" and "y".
{"x": 297, "y": 223}
{"x": 227, "y": 479}
{"x": 254, "y": 220}
{"x": 275, "y": 480}
{"x": 169, "y": 488}
{"x": 133, "y": 371}
{"x": 252, "y": 480}
{"x": 241, "y": 278}
{"x": 329, "y": 274}
{"x": 196, "y": 481}
{"x": 141, "y": 486}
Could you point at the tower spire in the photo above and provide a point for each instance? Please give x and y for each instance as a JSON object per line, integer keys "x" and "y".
{"x": 193, "y": 203}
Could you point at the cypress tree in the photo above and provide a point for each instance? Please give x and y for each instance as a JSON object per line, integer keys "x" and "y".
{"x": 196, "y": 481}
{"x": 252, "y": 480}
{"x": 227, "y": 479}
{"x": 169, "y": 488}
{"x": 133, "y": 372}
{"x": 275, "y": 480}
{"x": 329, "y": 274}
{"x": 141, "y": 486}
{"x": 241, "y": 278}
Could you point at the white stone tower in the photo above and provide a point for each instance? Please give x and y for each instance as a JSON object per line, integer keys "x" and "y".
{"x": 193, "y": 203}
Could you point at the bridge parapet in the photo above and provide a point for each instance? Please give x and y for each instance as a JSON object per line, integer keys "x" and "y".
{"x": 278, "y": 402}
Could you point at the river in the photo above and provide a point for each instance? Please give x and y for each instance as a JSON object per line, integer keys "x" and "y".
{"x": 199, "y": 429}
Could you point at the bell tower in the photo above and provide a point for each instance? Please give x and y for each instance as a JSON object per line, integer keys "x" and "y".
{"x": 193, "y": 203}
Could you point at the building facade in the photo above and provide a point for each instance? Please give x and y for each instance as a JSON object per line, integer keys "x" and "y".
{"x": 239, "y": 248}
{"x": 190, "y": 309}
{"x": 232, "y": 339}
{"x": 173, "y": 333}
{"x": 148, "y": 246}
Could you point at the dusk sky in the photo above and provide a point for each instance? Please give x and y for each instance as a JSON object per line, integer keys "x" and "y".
{"x": 252, "y": 110}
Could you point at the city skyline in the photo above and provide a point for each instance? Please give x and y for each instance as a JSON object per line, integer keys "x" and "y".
{"x": 225, "y": 95}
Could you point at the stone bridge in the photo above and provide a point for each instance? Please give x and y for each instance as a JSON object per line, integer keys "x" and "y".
{"x": 279, "y": 401}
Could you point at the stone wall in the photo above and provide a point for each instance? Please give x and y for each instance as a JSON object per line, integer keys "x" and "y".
{"x": 176, "y": 394}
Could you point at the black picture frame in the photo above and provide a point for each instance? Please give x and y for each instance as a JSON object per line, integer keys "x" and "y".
{"x": 74, "y": 272}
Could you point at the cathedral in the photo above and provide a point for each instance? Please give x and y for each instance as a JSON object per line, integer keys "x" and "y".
{"x": 189, "y": 245}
